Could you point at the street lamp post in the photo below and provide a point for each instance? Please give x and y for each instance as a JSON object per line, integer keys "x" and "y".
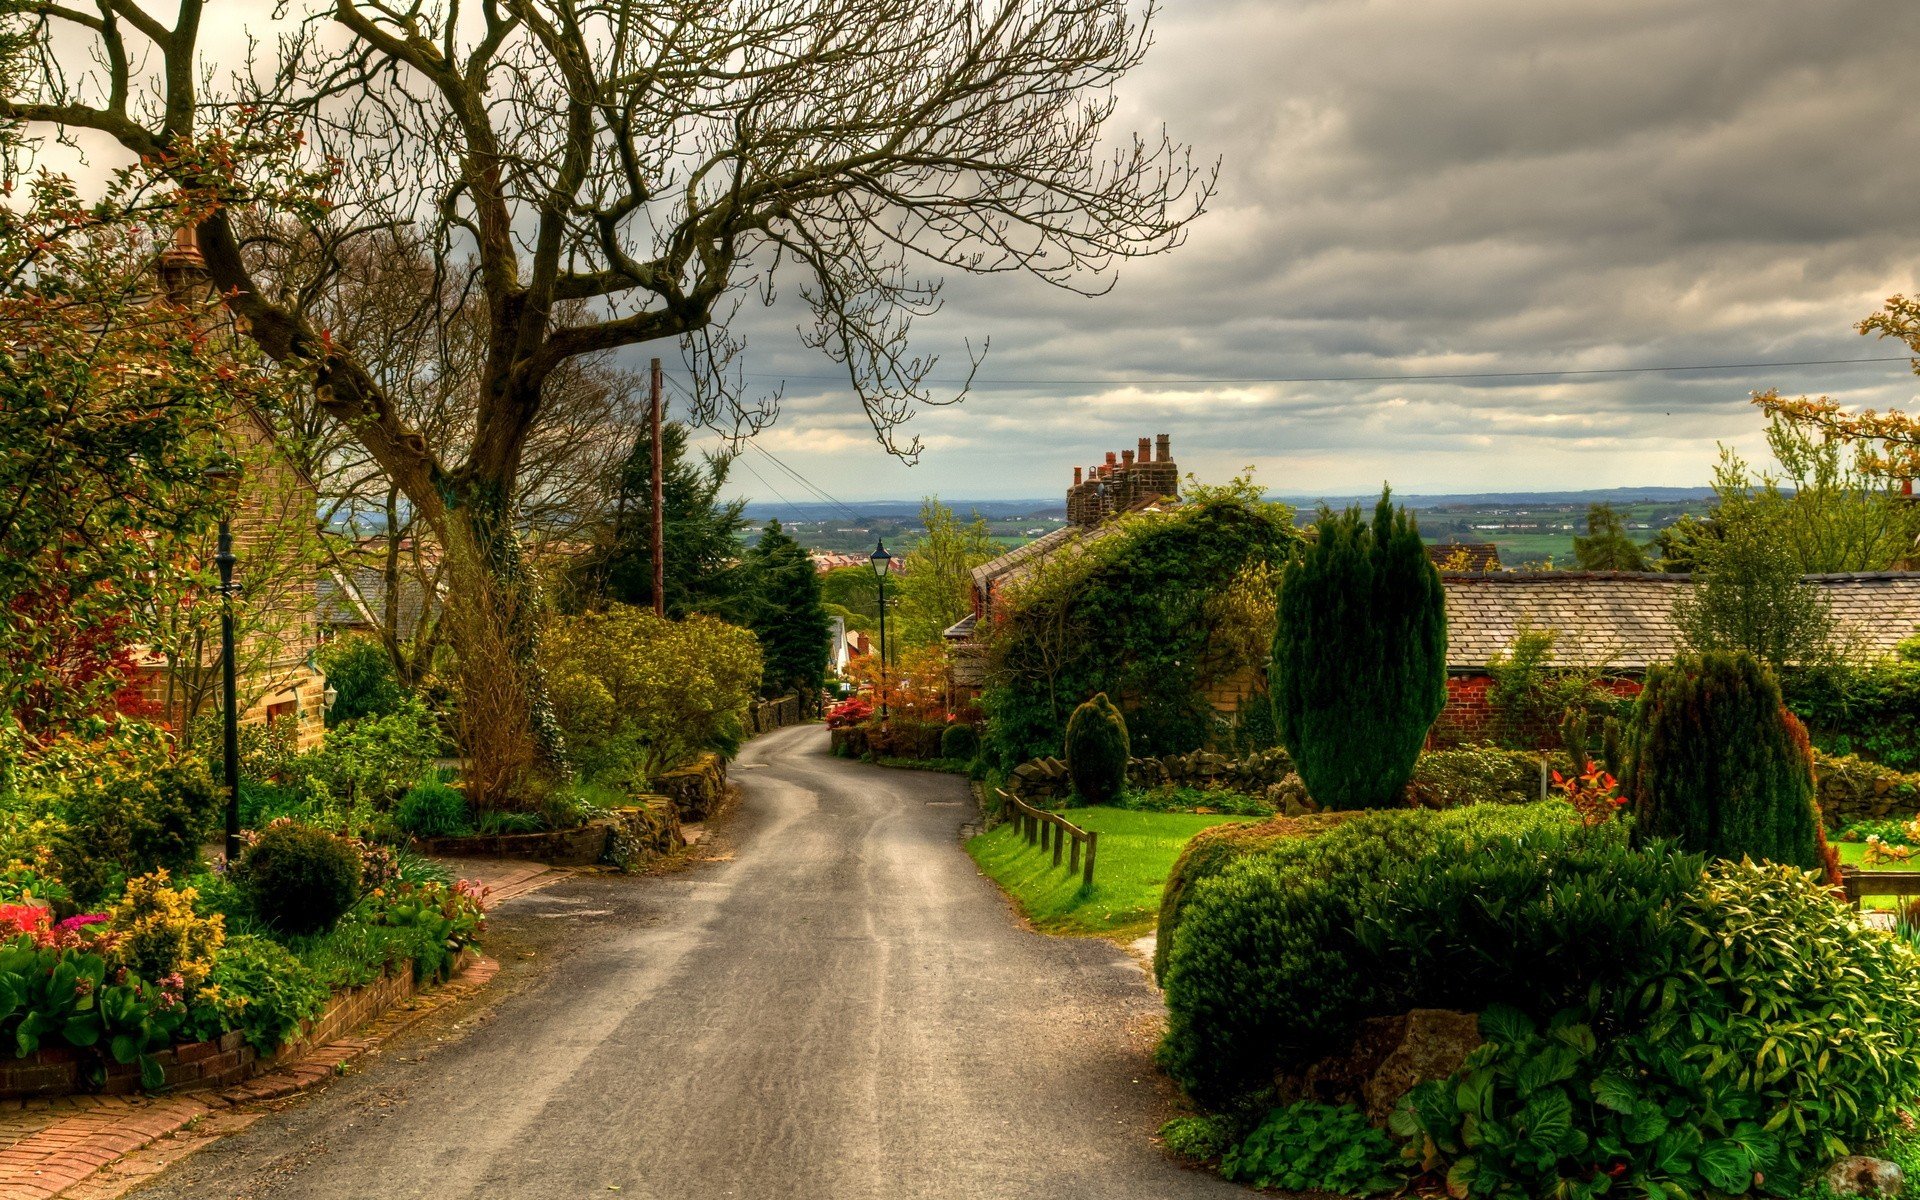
{"x": 223, "y": 558}
{"x": 882, "y": 562}
{"x": 229, "y": 691}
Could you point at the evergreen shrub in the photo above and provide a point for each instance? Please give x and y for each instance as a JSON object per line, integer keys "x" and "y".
{"x": 1097, "y": 751}
{"x": 1359, "y": 656}
{"x": 1718, "y": 764}
{"x": 960, "y": 742}
{"x": 297, "y": 879}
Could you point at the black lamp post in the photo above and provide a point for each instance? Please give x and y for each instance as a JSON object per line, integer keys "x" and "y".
{"x": 882, "y": 562}
{"x": 226, "y": 478}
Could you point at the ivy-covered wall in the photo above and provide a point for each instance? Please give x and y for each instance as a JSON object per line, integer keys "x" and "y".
{"x": 1157, "y": 615}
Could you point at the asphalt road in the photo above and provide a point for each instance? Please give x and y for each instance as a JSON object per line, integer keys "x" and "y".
{"x": 843, "y": 1008}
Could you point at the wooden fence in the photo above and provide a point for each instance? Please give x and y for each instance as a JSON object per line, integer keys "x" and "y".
{"x": 1050, "y": 831}
{"x": 1861, "y": 884}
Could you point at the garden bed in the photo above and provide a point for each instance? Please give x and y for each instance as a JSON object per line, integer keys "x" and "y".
{"x": 220, "y": 1062}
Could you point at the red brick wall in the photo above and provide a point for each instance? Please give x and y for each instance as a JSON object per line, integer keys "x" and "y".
{"x": 1469, "y": 715}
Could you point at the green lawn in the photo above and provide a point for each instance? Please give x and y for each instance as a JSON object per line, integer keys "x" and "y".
{"x": 1853, "y": 854}
{"x": 1137, "y": 850}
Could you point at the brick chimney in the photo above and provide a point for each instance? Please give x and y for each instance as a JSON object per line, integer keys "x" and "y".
{"x": 1146, "y": 451}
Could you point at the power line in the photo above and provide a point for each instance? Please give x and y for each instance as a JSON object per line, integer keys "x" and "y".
{"x": 802, "y": 479}
{"x": 1556, "y": 374}
{"x": 805, "y": 482}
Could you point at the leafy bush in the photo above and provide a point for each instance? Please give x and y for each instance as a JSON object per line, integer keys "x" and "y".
{"x": 441, "y": 919}
{"x": 366, "y": 765}
{"x": 1532, "y": 696}
{"x": 61, "y": 991}
{"x": 1201, "y": 1138}
{"x": 1717, "y": 763}
{"x": 298, "y": 879}
{"x": 857, "y": 710}
{"x": 1266, "y": 968}
{"x": 1872, "y": 712}
{"x": 360, "y": 672}
{"x": 1774, "y": 1034}
{"x": 1359, "y": 668}
{"x": 1097, "y": 750}
{"x": 121, "y": 809}
{"x": 1317, "y": 1147}
{"x": 1208, "y": 853}
{"x": 433, "y": 809}
{"x": 159, "y": 936}
{"x": 1192, "y": 799}
{"x": 960, "y": 741}
{"x": 637, "y": 694}
{"x": 258, "y": 987}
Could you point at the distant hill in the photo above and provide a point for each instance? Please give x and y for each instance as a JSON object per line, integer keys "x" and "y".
{"x": 761, "y": 510}
{"x": 1621, "y": 495}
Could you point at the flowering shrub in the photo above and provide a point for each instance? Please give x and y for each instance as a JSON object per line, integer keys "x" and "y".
{"x": 161, "y": 937}
{"x": 117, "y": 809}
{"x": 855, "y": 711}
{"x": 1594, "y": 794}
{"x": 446, "y": 918}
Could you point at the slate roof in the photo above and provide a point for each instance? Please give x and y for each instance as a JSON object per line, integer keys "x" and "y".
{"x": 337, "y": 609}
{"x": 1624, "y": 620}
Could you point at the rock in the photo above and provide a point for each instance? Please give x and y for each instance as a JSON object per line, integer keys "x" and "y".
{"x": 1389, "y": 1055}
{"x": 1863, "y": 1176}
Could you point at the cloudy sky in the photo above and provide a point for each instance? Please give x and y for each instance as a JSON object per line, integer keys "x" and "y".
{"x": 1419, "y": 188}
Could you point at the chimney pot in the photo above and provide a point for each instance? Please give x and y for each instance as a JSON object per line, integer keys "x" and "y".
{"x": 1076, "y": 476}
{"x": 1112, "y": 458}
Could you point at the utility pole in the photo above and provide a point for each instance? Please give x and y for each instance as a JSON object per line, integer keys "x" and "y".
{"x": 659, "y": 517}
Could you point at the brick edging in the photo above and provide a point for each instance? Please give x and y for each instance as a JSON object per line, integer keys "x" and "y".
{"x": 97, "y": 1131}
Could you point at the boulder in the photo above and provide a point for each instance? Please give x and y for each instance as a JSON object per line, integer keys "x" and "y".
{"x": 1389, "y": 1055}
{"x": 1859, "y": 1175}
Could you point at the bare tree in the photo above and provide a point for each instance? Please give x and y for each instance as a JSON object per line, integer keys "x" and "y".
{"x": 656, "y": 161}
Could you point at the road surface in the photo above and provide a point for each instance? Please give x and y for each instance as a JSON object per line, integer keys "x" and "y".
{"x": 842, "y": 1009}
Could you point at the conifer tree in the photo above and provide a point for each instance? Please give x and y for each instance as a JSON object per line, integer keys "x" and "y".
{"x": 1717, "y": 763}
{"x": 1360, "y": 656}
{"x": 700, "y": 531}
{"x": 785, "y": 612}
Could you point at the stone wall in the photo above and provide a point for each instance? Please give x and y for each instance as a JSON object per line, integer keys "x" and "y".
{"x": 769, "y": 715}
{"x": 697, "y": 788}
{"x": 1852, "y": 789}
{"x": 1045, "y": 780}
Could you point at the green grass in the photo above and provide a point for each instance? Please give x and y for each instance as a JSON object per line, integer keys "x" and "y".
{"x": 1137, "y": 850}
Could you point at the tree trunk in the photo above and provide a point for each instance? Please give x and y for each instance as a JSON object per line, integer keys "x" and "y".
{"x": 505, "y": 726}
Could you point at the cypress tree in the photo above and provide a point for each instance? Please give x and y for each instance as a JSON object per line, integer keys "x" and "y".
{"x": 1097, "y": 750}
{"x": 1359, "y": 668}
{"x": 1717, "y": 763}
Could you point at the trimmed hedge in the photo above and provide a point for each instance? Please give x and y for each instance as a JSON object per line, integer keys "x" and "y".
{"x": 1479, "y": 775}
{"x": 1265, "y": 966}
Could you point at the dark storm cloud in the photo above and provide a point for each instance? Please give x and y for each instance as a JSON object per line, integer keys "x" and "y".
{"x": 1477, "y": 185}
